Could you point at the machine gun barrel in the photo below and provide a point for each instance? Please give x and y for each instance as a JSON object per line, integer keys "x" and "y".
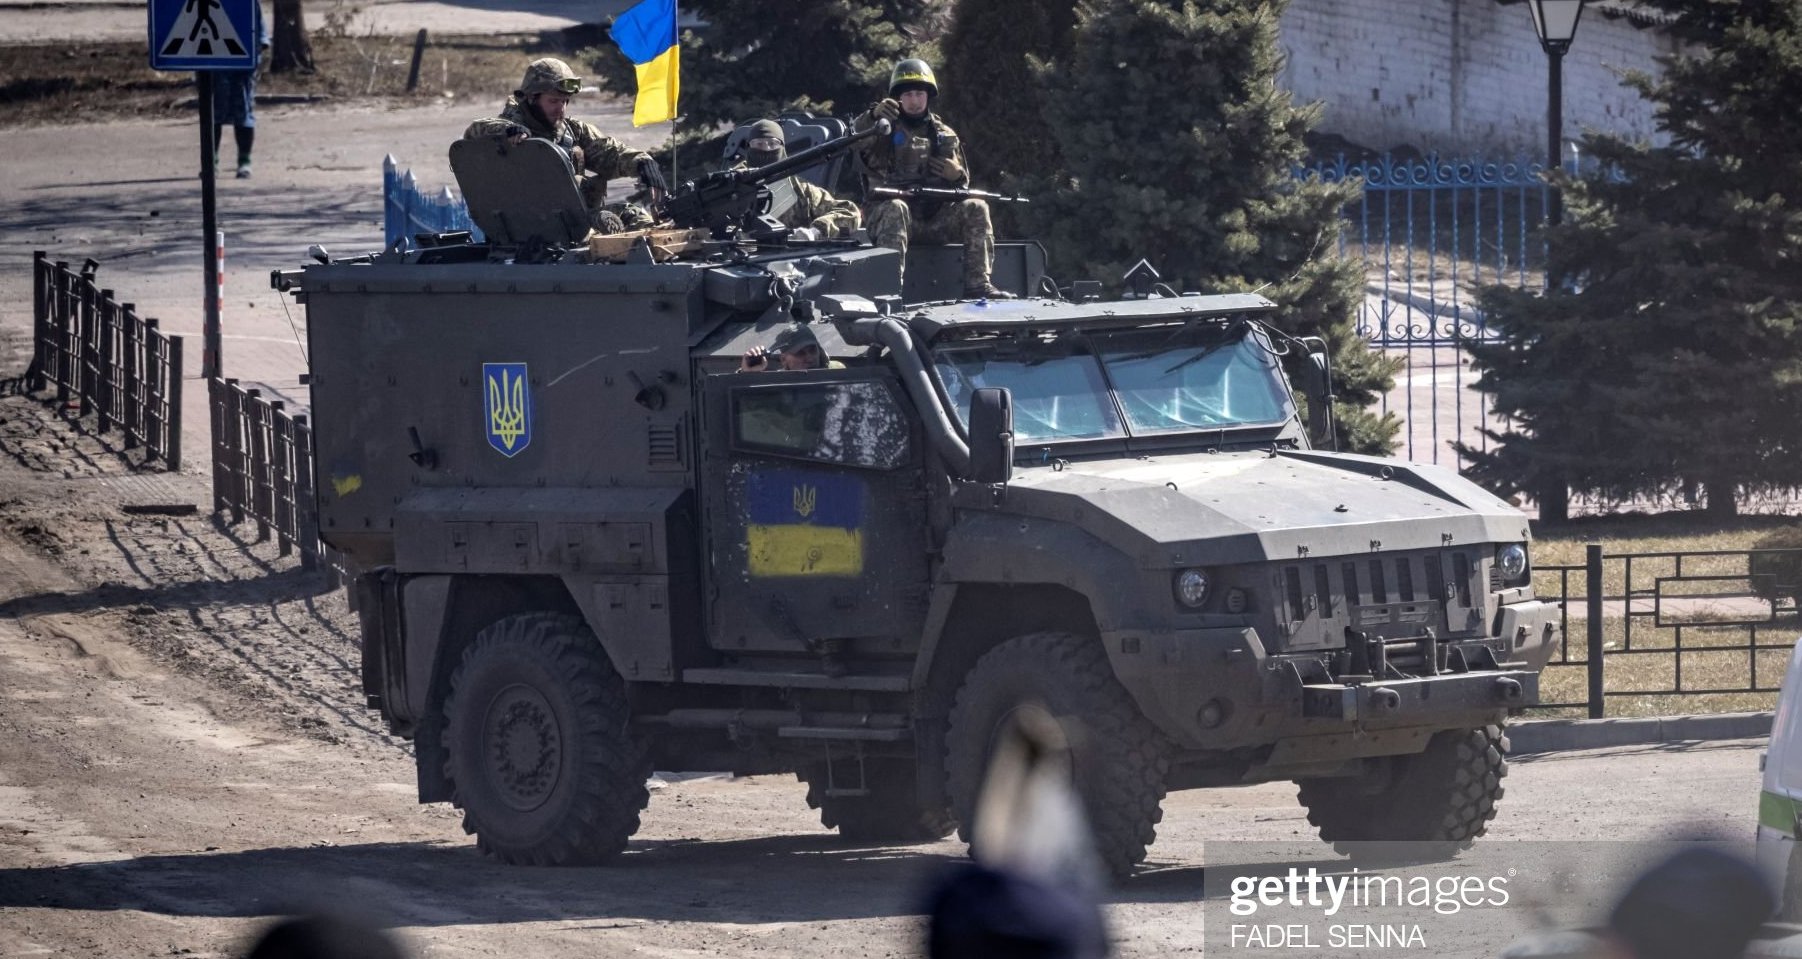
{"x": 721, "y": 201}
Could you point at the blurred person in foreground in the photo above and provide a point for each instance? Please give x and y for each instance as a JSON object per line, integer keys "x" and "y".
{"x": 1032, "y": 888}
{"x": 324, "y": 937}
{"x": 1701, "y": 903}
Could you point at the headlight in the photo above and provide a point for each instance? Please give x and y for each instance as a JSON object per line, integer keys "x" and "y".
{"x": 1512, "y": 561}
{"x": 1192, "y": 587}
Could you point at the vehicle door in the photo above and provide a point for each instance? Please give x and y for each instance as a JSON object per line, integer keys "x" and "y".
{"x": 816, "y": 513}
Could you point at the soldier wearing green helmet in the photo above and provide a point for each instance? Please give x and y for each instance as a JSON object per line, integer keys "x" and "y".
{"x": 923, "y": 150}
{"x": 539, "y": 109}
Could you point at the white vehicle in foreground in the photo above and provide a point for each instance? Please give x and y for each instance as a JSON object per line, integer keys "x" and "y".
{"x": 1780, "y": 798}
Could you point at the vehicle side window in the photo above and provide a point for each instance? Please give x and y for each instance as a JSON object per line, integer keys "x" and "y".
{"x": 850, "y": 424}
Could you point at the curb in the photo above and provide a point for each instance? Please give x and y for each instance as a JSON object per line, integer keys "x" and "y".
{"x": 1556, "y": 735}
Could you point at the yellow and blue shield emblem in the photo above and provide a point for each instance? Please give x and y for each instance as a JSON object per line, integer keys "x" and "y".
{"x": 804, "y": 524}
{"x": 507, "y": 407}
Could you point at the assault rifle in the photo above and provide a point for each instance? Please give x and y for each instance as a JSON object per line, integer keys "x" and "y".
{"x": 732, "y": 201}
{"x": 941, "y": 193}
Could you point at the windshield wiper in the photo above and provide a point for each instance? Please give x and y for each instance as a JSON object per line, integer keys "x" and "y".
{"x": 1200, "y": 355}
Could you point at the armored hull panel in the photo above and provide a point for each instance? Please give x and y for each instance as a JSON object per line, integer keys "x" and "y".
{"x": 493, "y": 377}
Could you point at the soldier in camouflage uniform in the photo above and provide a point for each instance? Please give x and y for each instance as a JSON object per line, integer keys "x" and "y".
{"x": 538, "y": 108}
{"x": 814, "y": 208}
{"x": 924, "y": 151}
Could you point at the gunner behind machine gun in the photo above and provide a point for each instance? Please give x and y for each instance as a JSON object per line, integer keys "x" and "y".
{"x": 729, "y": 203}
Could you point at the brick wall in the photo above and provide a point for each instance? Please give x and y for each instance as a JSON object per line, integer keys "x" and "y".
{"x": 1459, "y": 76}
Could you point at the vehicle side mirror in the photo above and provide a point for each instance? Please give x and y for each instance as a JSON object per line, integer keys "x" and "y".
{"x": 1317, "y": 386}
{"x": 991, "y": 435}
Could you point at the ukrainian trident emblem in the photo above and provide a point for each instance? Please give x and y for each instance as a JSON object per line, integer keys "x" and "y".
{"x": 507, "y": 401}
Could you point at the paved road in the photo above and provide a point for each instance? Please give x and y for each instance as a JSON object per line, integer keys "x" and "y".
{"x": 127, "y": 194}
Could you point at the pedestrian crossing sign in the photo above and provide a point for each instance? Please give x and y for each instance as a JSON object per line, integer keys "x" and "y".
{"x": 202, "y": 35}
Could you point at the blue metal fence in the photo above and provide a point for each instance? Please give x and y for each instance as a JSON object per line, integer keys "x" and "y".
{"x": 1431, "y": 231}
{"x": 406, "y": 210}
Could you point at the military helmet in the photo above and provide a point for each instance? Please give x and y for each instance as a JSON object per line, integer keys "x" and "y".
{"x": 910, "y": 73}
{"x": 549, "y": 75}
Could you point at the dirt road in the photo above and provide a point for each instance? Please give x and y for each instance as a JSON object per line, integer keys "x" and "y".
{"x": 183, "y": 754}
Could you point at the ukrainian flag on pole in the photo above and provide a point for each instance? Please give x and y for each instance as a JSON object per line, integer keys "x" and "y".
{"x": 646, "y": 34}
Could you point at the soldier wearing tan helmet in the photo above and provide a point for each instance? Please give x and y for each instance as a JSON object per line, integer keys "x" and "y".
{"x": 923, "y": 150}
{"x": 539, "y": 108}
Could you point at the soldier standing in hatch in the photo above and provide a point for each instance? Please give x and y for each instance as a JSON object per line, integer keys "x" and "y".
{"x": 539, "y": 108}
{"x": 814, "y": 209}
{"x": 923, "y": 151}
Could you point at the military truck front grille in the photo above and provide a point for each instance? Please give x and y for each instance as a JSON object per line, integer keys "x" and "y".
{"x": 1397, "y": 595}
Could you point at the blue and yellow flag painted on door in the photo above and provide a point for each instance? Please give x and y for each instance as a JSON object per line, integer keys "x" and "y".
{"x": 507, "y": 407}
{"x": 646, "y": 34}
{"x": 804, "y": 524}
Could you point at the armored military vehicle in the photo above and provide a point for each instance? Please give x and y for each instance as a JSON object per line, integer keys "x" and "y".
{"x": 588, "y": 547}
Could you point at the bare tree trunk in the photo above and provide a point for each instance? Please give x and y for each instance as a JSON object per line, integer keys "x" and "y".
{"x": 1554, "y": 502}
{"x": 1721, "y": 504}
{"x": 293, "y": 51}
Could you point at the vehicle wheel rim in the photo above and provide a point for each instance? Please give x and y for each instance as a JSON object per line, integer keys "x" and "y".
{"x": 523, "y": 746}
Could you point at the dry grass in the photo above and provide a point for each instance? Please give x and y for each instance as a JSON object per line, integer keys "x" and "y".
{"x": 1642, "y": 682}
{"x": 57, "y": 82}
{"x": 1699, "y": 614}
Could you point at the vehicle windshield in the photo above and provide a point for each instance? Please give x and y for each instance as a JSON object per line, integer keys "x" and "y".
{"x": 1129, "y": 383}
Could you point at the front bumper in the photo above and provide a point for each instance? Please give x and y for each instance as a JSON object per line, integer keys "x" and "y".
{"x": 1220, "y": 689}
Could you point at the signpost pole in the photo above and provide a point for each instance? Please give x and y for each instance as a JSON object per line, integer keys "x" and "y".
{"x": 209, "y": 225}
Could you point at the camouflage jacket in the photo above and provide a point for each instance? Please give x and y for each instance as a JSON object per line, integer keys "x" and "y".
{"x": 899, "y": 159}
{"x": 817, "y": 207}
{"x": 601, "y": 154}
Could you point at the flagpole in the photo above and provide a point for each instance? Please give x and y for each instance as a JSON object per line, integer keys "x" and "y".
{"x": 675, "y": 177}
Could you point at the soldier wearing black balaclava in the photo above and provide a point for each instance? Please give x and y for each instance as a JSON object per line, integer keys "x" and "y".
{"x": 813, "y": 209}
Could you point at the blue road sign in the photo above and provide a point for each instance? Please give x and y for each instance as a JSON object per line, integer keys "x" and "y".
{"x": 203, "y": 34}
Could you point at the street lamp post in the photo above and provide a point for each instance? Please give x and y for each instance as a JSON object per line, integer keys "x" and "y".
{"x": 1555, "y": 21}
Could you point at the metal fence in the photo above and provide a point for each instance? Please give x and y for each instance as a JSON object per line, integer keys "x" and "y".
{"x": 105, "y": 361}
{"x": 263, "y": 472}
{"x": 1641, "y": 628}
{"x": 407, "y": 210}
{"x": 1430, "y": 232}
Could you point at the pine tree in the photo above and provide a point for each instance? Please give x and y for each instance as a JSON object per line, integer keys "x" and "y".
{"x": 1179, "y": 146}
{"x": 991, "y": 93}
{"x": 1669, "y": 352}
{"x": 756, "y": 59}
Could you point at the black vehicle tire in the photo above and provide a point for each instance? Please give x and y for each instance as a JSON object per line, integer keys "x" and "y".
{"x": 1443, "y": 797}
{"x": 891, "y": 813}
{"x": 1119, "y": 760}
{"x": 539, "y": 752}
